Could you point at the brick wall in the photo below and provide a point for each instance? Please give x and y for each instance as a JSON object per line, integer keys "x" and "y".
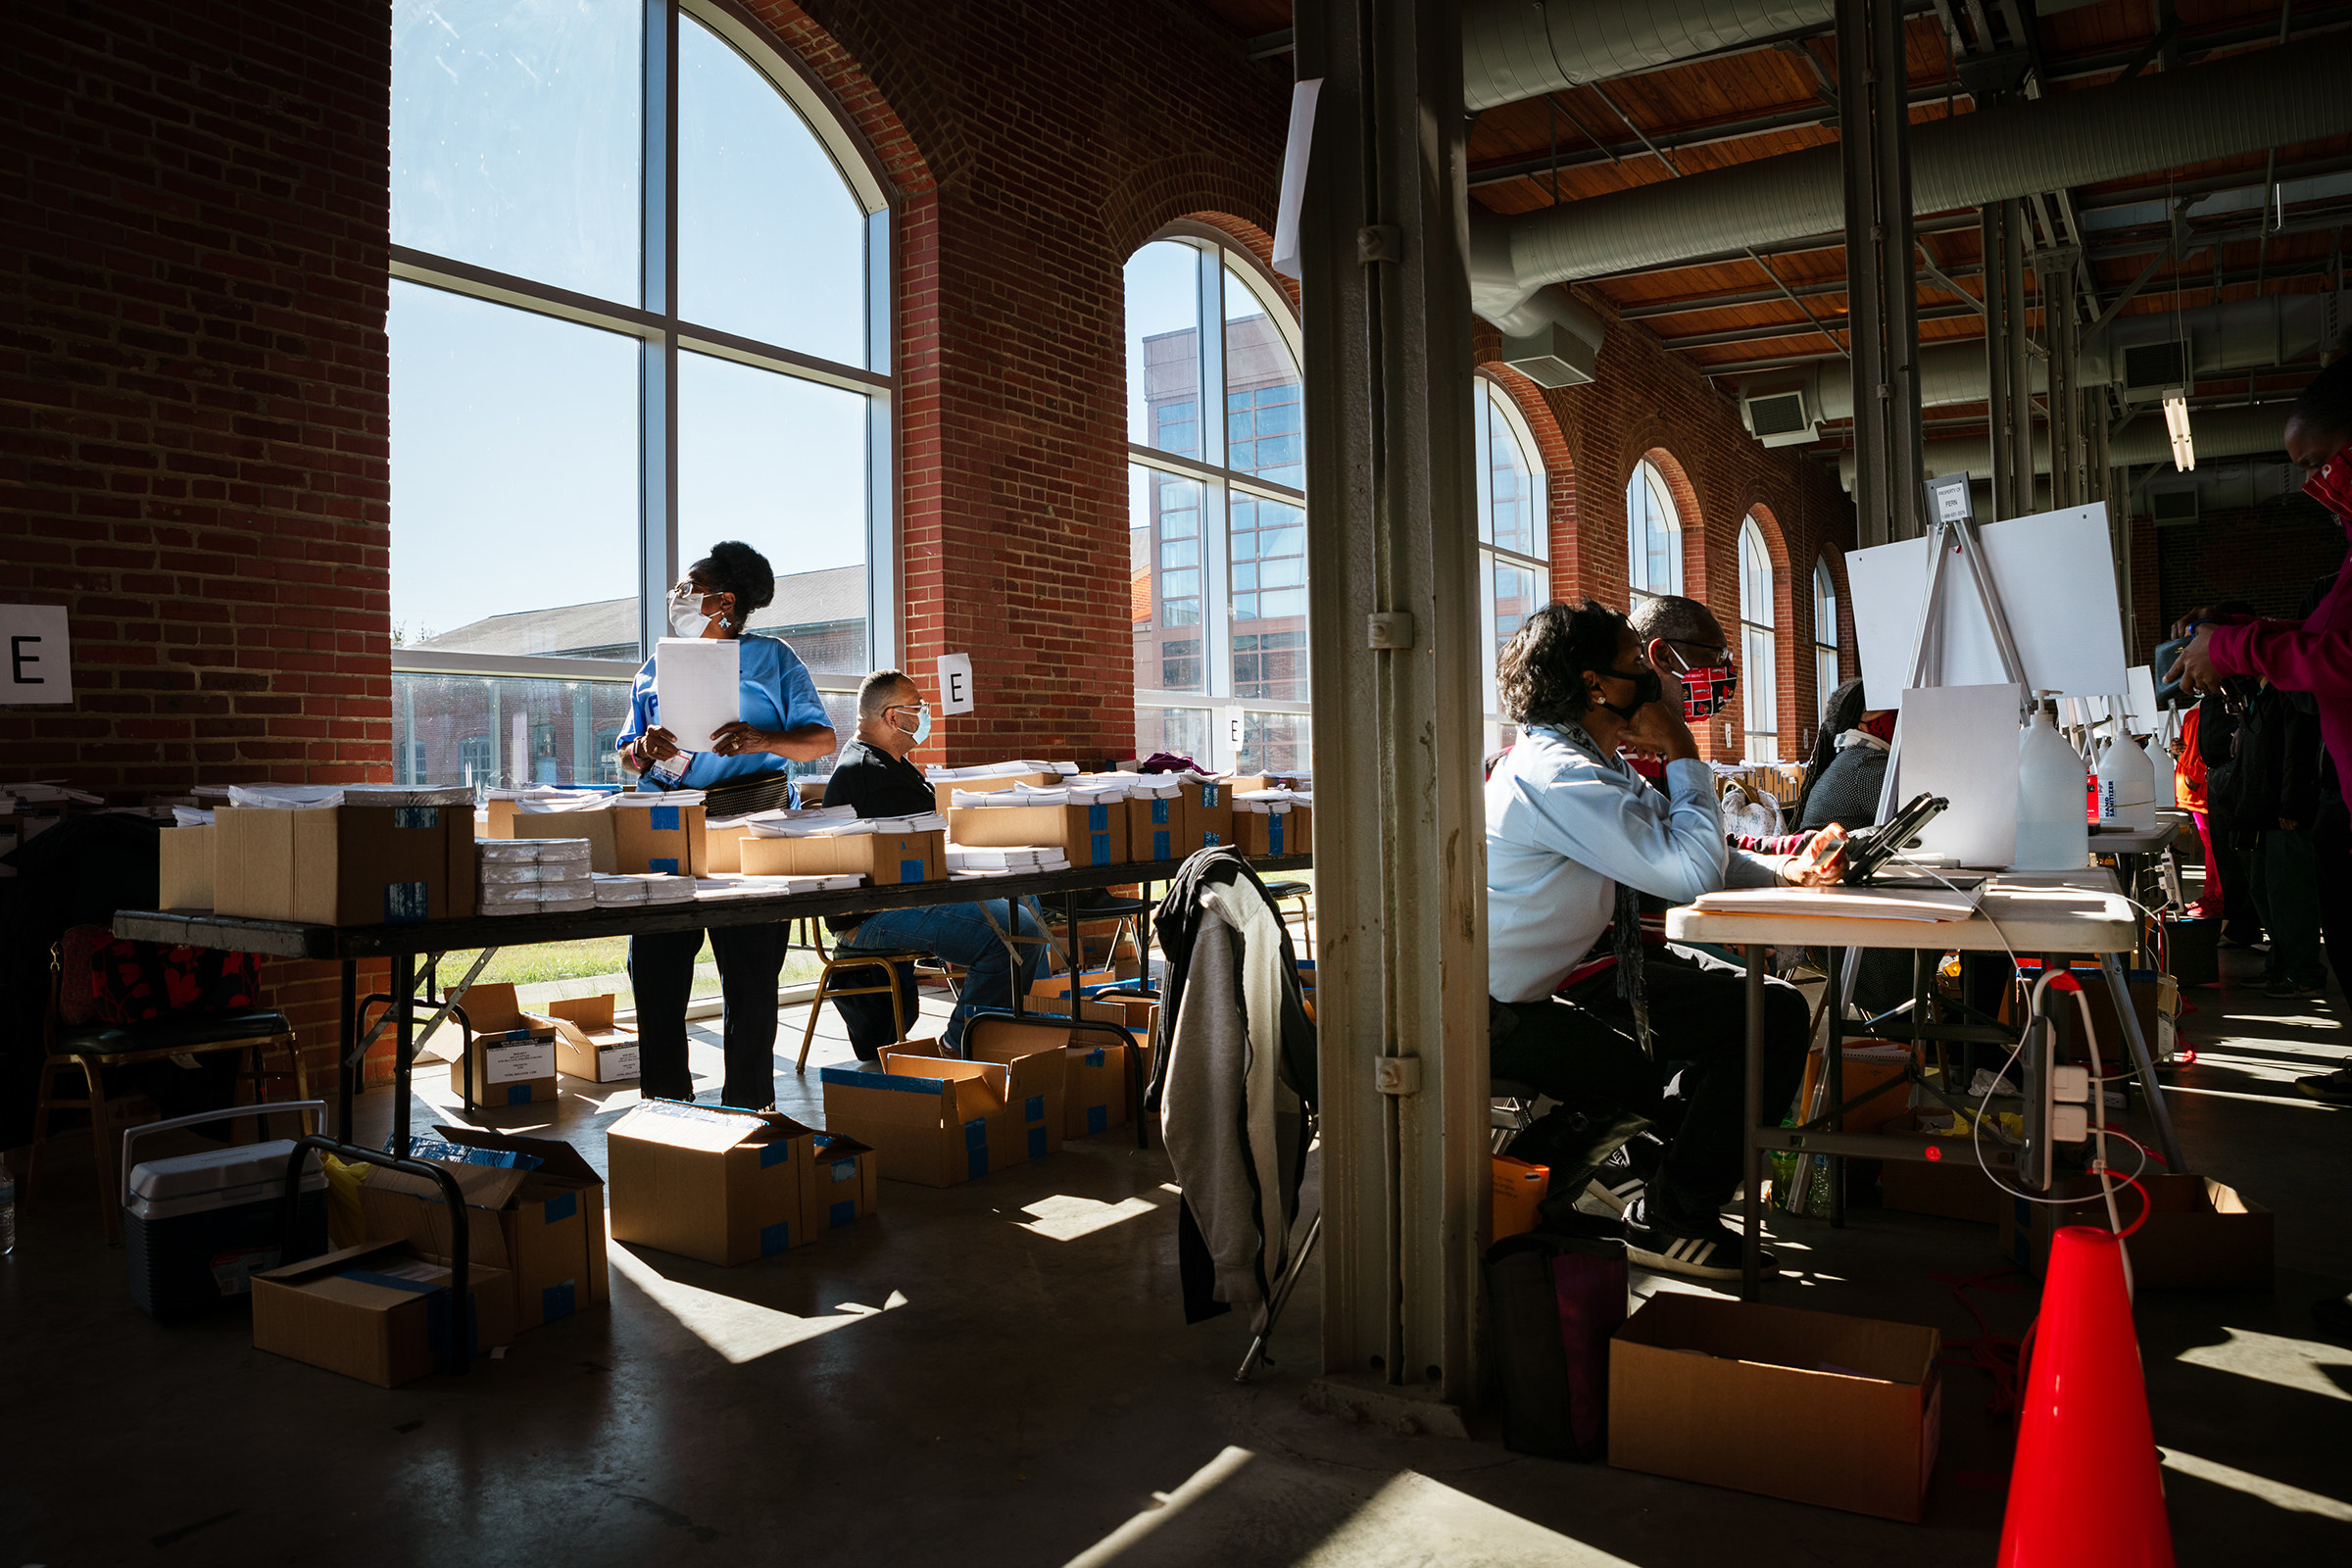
{"x": 192, "y": 368}
{"x": 2268, "y": 556}
{"x": 1645, "y": 403}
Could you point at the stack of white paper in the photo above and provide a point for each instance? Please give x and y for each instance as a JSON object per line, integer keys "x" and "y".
{"x": 551, "y": 798}
{"x": 726, "y": 886}
{"x": 317, "y": 797}
{"x": 631, "y": 888}
{"x": 533, "y": 876}
{"x": 659, "y": 798}
{"x": 698, "y": 687}
{"x": 820, "y": 822}
{"x": 1002, "y": 861}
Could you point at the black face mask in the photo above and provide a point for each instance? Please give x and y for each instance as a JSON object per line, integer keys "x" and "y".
{"x": 1647, "y": 688}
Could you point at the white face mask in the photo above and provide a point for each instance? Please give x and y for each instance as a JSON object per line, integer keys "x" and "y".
{"x": 686, "y": 616}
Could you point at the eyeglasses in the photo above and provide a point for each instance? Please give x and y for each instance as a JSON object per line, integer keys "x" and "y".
{"x": 1712, "y": 655}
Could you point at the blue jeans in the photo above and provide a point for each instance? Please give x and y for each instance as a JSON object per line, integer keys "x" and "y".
{"x": 956, "y": 932}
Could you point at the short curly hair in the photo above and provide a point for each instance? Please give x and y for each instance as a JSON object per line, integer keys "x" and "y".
{"x": 1539, "y": 677}
{"x": 735, "y": 568}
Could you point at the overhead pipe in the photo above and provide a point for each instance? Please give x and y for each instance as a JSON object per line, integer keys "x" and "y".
{"x": 2233, "y": 336}
{"x": 1546, "y": 335}
{"x": 1514, "y": 49}
{"x": 2244, "y": 104}
{"x": 2235, "y": 432}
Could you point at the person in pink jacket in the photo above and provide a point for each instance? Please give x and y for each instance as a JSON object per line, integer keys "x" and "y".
{"x": 2312, "y": 656}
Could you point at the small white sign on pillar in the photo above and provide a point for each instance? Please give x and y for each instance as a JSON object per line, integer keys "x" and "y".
{"x": 36, "y": 661}
{"x": 954, "y": 683}
{"x": 1235, "y": 725}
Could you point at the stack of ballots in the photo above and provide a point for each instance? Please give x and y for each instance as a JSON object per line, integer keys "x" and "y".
{"x": 632, "y": 889}
{"x": 839, "y": 821}
{"x": 534, "y": 876}
{"x": 760, "y": 887}
{"x": 966, "y": 863}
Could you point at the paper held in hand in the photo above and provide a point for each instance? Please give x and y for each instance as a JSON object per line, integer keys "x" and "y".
{"x": 698, "y": 687}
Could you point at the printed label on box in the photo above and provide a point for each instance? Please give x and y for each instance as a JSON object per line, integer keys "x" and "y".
{"x": 416, "y": 816}
{"x": 616, "y": 1062}
{"x": 518, "y": 1064}
{"x": 407, "y": 903}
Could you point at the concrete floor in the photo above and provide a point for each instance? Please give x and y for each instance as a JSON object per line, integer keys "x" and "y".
{"x": 998, "y": 1374}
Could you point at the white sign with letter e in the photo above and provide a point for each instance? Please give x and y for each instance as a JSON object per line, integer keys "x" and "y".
{"x": 37, "y": 663}
{"x": 954, "y": 683}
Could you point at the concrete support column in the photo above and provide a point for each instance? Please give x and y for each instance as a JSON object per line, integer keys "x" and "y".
{"x": 1397, "y": 653}
{"x": 1881, "y": 287}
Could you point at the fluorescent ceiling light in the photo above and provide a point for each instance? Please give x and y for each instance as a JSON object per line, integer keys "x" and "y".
{"x": 2175, "y": 425}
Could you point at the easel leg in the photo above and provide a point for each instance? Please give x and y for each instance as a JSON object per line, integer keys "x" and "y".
{"x": 2121, "y": 994}
{"x": 1751, "y": 1197}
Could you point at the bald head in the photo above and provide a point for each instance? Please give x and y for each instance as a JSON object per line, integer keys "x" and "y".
{"x": 1676, "y": 620}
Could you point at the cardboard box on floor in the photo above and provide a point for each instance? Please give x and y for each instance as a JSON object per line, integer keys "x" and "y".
{"x": 708, "y": 1182}
{"x": 884, "y": 860}
{"x": 848, "y": 1185}
{"x": 1841, "y": 1411}
{"x": 1095, "y": 834}
{"x": 932, "y": 1120}
{"x": 1949, "y": 1190}
{"x": 544, "y": 1227}
{"x": 506, "y": 821}
{"x": 1890, "y": 1103}
{"x": 1038, "y": 1055}
{"x": 379, "y": 1311}
{"x": 2199, "y": 1235}
{"x": 344, "y": 865}
{"x": 514, "y": 1052}
{"x": 942, "y": 792}
{"x": 184, "y": 867}
{"x": 654, "y": 837}
{"x": 589, "y": 1044}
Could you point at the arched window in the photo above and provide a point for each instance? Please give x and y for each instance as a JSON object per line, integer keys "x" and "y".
{"x": 1825, "y": 638}
{"x": 597, "y": 374}
{"x": 1216, "y": 515}
{"x": 1514, "y": 530}
{"x": 1653, "y": 536}
{"x": 1759, "y": 683}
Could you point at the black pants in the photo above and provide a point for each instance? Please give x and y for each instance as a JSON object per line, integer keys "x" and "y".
{"x": 661, "y": 969}
{"x": 2242, "y": 921}
{"x": 2332, "y": 850}
{"x": 1580, "y": 1049}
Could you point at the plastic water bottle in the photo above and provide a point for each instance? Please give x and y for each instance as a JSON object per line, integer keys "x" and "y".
{"x": 8, "y": 1211}
{"x": 2167, "y": 788}
{"x": 2052, "y": 833}
{"x": 2126, "y": 787}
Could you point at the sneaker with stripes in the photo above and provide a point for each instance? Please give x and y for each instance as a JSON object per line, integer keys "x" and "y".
{"x": 1705, "y": 1252}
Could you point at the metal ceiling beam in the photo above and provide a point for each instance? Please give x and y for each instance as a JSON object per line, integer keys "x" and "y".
{"x": 1267, "y": 46}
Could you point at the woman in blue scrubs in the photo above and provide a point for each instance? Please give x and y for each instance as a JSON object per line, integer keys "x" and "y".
{"x": 741, "y": 768}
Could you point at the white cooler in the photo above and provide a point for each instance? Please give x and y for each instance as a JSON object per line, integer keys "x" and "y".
{"x": 198, "y": 1227}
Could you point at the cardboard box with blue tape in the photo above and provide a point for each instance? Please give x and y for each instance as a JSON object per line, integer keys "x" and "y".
{"x": 506, "y": 820}
{"x": 884, "y": 860}
{"x": 1038, "y": 1055}
{"x": 534, "y": 1210}
{"x": 711, "y": 1182}
{"x": 932, "y": 1120}
{"x": 589, "y": 1044}
{"x": 353, "y": 863}
{"x": 514, "y": 1052}
{"x": 379, "y": 1311}
{"x": 1207, "y": 814}
{"x": 848, "y": 1185}
{"x": 1090, "y": 833}
{"x": 651, "y": 834}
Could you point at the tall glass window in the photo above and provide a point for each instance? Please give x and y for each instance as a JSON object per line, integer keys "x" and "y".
{"x": 1216, "y": 516}
{"x": 1653, "y": 536}
{"x": 1759, "y": 683}
{"x": 1514, "y": 532}
{"x": 626, "y": 321}
{"x": 1825, "y": 639}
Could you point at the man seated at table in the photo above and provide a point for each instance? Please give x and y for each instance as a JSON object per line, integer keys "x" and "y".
{"x": 875, "y": 777}
{"x": 1573, "y": 839}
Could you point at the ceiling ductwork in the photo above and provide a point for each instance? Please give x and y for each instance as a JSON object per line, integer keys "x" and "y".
{"x": 1514, "y": 49}
{"x": 2135, "y": 351}
{"x": 2245, "y": 104}
{"x": 1547, "y": 336}
{"x": 2219, "y": 433}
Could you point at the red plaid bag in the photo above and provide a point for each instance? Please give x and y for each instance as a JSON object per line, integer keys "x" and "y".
{"x": 103, "y": 979}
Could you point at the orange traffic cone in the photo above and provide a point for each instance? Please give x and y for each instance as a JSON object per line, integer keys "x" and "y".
{"x": 2084, "y": 1488}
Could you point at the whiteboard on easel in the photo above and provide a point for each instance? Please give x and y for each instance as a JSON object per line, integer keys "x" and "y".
{"x": 2055, "y": 575}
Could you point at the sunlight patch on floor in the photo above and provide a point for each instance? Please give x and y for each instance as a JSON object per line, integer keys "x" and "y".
{"x": 1417, "y": 1520}
{"x": 739, "y": 1330}
{"x": 2278, "y": 1494}
{"x": 1165, "y": 1505}
{"x": 1066, "y": 1216}
{"x": 2276, "y": 1360}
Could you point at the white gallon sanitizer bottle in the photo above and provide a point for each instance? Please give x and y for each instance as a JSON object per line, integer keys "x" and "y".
{"x": 2126, "y": 786}
{"x": 2052, "y": 833}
